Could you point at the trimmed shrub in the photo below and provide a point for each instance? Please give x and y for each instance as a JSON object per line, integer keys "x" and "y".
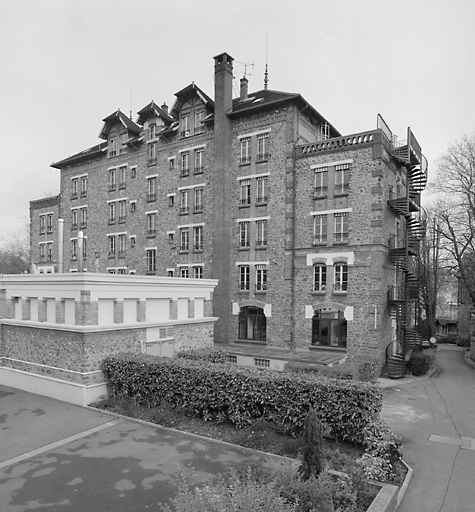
{"x": 463, "y": 342}
{"x": 212, "y": 355}
{"x": 420, "y": 363}
{"x": 240, "y": 395}
{"x": 312, "y": 453}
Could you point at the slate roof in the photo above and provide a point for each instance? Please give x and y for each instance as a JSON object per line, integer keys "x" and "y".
{"x": 83, "y": 155}
{"x": 153, "y": 108}
{"x": 126, "y": 122}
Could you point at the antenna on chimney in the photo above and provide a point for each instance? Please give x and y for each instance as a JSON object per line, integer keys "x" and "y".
{"x": 266, "y": 74}
{"x": 130, "y": 111}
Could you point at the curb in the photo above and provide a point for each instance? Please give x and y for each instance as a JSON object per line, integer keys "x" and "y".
{"x": 405, "y": 485}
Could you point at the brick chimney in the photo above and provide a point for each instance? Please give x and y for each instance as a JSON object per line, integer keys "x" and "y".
{"x": 164, "y": 107}
{"x": 244, "y": 88}
{"x": 223, "y": 82}
{"x": 222, "y": 223}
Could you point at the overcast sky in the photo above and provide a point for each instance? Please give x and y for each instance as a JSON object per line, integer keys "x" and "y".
{"x": 67, "y": 64}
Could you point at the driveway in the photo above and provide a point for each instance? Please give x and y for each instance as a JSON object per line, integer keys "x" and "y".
{"x": 59, "y": 457}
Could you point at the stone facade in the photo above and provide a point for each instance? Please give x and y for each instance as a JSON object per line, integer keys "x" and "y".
{"x": 226, "y": 189}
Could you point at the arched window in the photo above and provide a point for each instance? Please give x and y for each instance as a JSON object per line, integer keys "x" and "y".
{"x": 252, "y": 324}
{"x": 329, "y": 328}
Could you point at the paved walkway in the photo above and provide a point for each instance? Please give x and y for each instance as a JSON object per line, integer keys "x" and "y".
{"x": 436, "y": 419}
{"x": 60, "y": 457}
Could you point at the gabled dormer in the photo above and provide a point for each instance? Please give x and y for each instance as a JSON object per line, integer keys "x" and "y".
{"x": 155, "y": 120}
{"x": 191, "y": 108}
{"x": 119, "y": 131}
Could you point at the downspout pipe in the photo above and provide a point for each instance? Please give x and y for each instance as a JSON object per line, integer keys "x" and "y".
{"x": 60, "y": 245}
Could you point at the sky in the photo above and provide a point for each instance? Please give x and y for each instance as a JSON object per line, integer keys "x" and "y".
{"x": 66, "y": 64}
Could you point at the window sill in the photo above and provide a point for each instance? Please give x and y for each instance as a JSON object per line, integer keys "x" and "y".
{"x": 261, "y": 247}
{"x": 244, "y": 248}
{"x": 316, "y": 198}
{"x": 341, "y": 195}
{"x": 243, "y": 292}
{"x": 197, "y": 251}
{"x": 263, "y": 203}
{"x": 341, "y": 243}
{"x": 183, "y": 251}
{"x": 319, "y": 244}
{"x": 243, "y": 164}
{"x": 248, "y": 205}
{"x": 319, "y": 294}
{"x": 150, "y": 272}
{"x": 339, "y": 294}
{"x": 260, "y": 292}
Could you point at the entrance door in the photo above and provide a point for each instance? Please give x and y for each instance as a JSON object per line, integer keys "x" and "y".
{"x": 252, "y": 324}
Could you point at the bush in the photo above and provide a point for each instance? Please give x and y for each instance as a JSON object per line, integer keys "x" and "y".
{"x": 240, "y": 395}
{"x": 463, "y": 342}
{"x": 312, "y": 453}
{"x": 212, "y": 355}
{"x": 420, "y": 363}
{"x": 233, "y": 491}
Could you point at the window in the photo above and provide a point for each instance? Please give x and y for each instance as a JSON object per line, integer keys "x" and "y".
{"x": 122, "y": 176}
{"x": 261, "y": 278}
{"x": 84, "y": 248}
{"x": 245, "y": 193}
{"x": 341, "y": 227}
{"x": 171, "y": 237}
{"x": 152, "y": 129}
{"x": 261, "y": 238}
{"x": 111, "y": 243}
{"x": 244, "y": 234}
{"x": 171, "y": 200}
{"x": 74, "y": 224}
{"x": 244, "y": 276}
{"x": 185, "y": 163}
{"x": 198, "y": 168}
{"x": 321, "y": 182}
{"x": 151, "y": 260}
{"x": 342, "y": 179}
{"x": 329, "y": 328}
{"x": 184, "y": 195}
{"x": 340, "y": 282}
{"x": 170, "y": 273}
{"x": 319, "y": 229}
{"x": 122, "y": 139}
{"x": 84, "y": 186}
{"x": 49, "y": 223}
{"x": 198, "y": 200}
{"x": 74, "y": 188}
{"x": 261, "y": 195}
{"x": 151, "y": 189}
{"x": 152, "y": 153}
{"x": 198, "y": 272}
{"x": 133, "y": 206}
{"x": 262, "y": 143}
{"x": 74, "y": 249}
{"x": 171, "y": 163}
{"x": 42, "y": 224}
{"x": 42, "y": 252}
{"x": 199, "y": 116}
{"x": 185, "y": 125}
{"x": 245, "y": 151}
{"x": 112, "y": 209}
{"x": 151, "y": 226}
{"x": 122, "y": 211}
{"x": 133, "y": 172}
{"x": 112, "y": 146}
{"x": 50, "y": 252}
{"x": 198, "y": 238}
{"x": 319, "y": 277}
{"x": 184, "y": 272}
{"x": 112, "y": 179}
{"x": 83, "y": 223}
{"x": 184, "y": 239}
{"x": 132, "y": 241}
{"x": 122, "y": 242}
{"x": 252, "y": 326}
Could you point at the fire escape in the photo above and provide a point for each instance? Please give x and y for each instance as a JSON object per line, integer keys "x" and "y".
{"x": 403, "y": 247}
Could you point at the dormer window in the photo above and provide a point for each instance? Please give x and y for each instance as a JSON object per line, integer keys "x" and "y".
{"x": 199, "y": 116}
{"x": 185, "y": 125}
{"x": 152, "y": 131}
{"x": 112, "y": 145}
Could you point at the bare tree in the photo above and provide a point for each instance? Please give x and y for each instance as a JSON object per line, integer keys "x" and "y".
{"x": 15, "y": 251}
{"x": 455, "y": 206}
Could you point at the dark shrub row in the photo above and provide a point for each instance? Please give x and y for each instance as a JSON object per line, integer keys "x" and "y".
{"x": 240, "y": 395}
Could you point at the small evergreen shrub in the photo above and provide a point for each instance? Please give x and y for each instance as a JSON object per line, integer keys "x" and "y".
{"x": 420, "y": 363}
{"x": 312, "y": 453}
{"x": 463, "y": 342}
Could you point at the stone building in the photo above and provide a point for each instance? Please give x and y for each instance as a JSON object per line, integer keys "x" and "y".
{"x": 310, "y": 233}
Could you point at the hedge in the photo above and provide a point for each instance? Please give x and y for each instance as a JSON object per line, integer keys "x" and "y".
{"x": 239, "y": 394}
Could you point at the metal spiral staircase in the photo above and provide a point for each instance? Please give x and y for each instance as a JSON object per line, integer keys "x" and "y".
{"x": 402, "y": 249}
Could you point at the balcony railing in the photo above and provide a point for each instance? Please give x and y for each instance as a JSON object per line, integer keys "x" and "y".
{"x": 151, "y": 196}
{"x": 245, "y": 160}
